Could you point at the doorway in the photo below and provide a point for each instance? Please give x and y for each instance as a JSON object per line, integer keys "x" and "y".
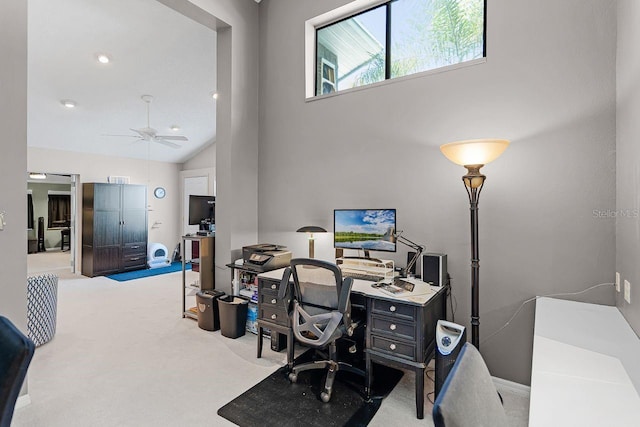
{"x": 51, "y": 223}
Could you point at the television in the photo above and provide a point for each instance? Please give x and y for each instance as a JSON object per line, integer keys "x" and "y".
{"x": 202, "y": 210}
{"x": 365, "y": 229}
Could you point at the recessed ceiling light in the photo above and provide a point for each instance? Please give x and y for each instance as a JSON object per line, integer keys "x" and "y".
{"x": 214, "y": 95}
{"x": 175, "y": 128}
{"x": 103, "y": 58}
{"x": 68, "y": 103}
{"x": 38, "y": 175}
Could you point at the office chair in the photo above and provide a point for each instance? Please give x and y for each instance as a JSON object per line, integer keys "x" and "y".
{"x": 468, "y": 397}
{"x": 321, "y": 314}
{"x": 16, "y": 352}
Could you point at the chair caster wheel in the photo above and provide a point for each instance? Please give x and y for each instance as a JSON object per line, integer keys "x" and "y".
{"x": 325, "y": 397}
{"x": 293, "y": 377}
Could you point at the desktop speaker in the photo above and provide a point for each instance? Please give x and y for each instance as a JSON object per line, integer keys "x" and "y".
{"x": 434, "y": 269}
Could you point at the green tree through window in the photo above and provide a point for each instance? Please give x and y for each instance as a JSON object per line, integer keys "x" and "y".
{"x": 424, "y": 35}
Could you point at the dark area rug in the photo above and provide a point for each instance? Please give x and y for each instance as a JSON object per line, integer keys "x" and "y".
{"x": 277, "y": 402}
{"x": 137, "y": 274}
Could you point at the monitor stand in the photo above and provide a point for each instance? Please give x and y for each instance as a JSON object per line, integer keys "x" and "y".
{"x": 366, "y": 256}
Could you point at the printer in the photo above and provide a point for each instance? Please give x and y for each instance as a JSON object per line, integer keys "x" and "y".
{"x": 265, "y": 257}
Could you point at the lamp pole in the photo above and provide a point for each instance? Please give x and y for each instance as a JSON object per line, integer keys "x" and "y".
{"x": 474, "y": 154}
{"x": 473, "y": 183}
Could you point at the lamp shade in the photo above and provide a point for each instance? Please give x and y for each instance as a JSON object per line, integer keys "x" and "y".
{"x": 474, "y": 151}
{"x": 311, "y": 229}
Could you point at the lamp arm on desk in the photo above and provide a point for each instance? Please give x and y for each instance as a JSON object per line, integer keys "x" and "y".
{"x": 416, "y": 247}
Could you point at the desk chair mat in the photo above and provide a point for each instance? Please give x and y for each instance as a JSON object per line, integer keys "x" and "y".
{"x": 276, "y": 402}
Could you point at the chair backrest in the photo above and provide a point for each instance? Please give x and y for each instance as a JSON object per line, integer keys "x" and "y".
{"x": 468, "y": 397}
{"x": 16, "y": 352}
{"x": 321, "y": 308}
{"x": 317, "y": 283}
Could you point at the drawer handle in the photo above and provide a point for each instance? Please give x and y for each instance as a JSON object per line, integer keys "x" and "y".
{"x": 273, "y": 316}
{"x": 392, "y": 327}
{"x": 134, "y": 259}
{"x": 392, "y": 308}
{"x": 273, "y": 286}
{"x": 392, "y": 346}
{"x": 135, "y": 247}
{"x": 273, "y": 301}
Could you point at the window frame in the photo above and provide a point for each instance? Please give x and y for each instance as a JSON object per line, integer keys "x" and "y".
{"x": 360, "y": 7}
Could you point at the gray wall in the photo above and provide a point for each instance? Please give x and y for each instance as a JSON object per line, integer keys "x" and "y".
{"x": 13, "y": 160}
{"x": 548, "y": 85}
{"x": 628, "y": 158}
{"x": 236, "y": 151}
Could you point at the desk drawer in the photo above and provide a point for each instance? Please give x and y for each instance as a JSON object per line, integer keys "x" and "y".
{"x": 273, "y": 314}
{"x": 394, "y": 347}
{"x": 393, "y": 327}
{"x": 398, "y": 310}
{"x": 269, "y": 285}
{"x": 270, "y": 299}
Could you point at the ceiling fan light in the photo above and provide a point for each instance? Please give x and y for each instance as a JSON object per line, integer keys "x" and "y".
{"x": 69, "y": 103}
{"x": 175, "y": 128}
{"x": 103, "y": 58}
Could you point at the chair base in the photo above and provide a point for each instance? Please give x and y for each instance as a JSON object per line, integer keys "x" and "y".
{"x": 333, "y": 367}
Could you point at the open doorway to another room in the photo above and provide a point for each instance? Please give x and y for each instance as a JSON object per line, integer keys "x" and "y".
{"x": 51, "y": 223}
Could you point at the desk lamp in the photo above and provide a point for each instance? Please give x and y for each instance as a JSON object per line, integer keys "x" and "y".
{"x": 474, "y": 154}
{"x": 310, "y": 229}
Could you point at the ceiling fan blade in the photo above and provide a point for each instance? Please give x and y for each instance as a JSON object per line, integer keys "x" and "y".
{"x": 172, "y": 137}
{"x": 167, "y": 143}
{"x": 128, "y": 136}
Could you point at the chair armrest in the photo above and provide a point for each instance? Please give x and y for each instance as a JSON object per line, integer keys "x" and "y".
{"x": 284, "y": 283}
{"x": 345, "y": 292}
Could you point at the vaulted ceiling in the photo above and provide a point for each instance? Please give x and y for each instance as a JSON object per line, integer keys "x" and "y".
{"x": 153, "y": 50}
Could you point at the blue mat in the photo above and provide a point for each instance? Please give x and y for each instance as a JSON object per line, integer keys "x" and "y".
{"x": 137, "y": 274}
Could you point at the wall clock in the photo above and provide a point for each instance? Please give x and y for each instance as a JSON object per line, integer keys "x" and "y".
{"x": 159, "y": 192}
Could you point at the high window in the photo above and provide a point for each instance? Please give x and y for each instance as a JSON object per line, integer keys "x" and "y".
{"x": 396, "y": 39}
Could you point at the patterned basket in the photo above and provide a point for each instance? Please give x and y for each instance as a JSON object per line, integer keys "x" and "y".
{"x": 42, "y": 305}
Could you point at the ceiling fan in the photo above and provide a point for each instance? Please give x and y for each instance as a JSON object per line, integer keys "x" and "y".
{"x": 150, "y": 134}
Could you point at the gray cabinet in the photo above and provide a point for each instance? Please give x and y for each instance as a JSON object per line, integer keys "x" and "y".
{"x": 114, "y": 228}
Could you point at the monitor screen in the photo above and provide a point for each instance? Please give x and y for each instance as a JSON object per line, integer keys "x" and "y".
{"x": 202, "y": 209}
{"x": 367, "y": 229}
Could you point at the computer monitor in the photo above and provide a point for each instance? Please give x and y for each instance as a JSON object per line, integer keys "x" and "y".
{"x": 202, "y": 209}
{"x": 365, "y": 229}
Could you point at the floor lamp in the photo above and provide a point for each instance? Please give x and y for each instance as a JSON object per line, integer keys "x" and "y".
{"x": 310, "y": 229}
{"x": 474, "y": 154}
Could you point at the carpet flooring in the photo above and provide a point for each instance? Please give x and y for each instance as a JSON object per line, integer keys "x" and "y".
{"x": 124, "y": 356}
{"x": 299, "y": 404}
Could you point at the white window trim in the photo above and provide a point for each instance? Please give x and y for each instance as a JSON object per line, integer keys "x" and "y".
{"x": 310, "y": 36}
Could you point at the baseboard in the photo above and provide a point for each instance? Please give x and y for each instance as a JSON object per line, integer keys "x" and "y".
{"x": 23, "y": 401}
{"x": 515, "y": 388}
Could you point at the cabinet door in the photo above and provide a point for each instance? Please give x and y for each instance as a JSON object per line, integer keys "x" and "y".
{"x": 106, "y": 260}
{"x": 134, "y": 214}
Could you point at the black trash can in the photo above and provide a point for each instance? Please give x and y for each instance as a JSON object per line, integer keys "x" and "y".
{"x": 208, "y": 312}
{"x": 233, "y": 316}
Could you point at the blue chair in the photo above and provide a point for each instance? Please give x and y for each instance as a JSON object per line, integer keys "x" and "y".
{"x": 468, "y": 397}
{"x": 16, "y": 352}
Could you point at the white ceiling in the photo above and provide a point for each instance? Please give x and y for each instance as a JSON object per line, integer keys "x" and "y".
{"x": 154, "y": 50}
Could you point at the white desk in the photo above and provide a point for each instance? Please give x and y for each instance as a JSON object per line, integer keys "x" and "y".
{"x": 586, "y": 366}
